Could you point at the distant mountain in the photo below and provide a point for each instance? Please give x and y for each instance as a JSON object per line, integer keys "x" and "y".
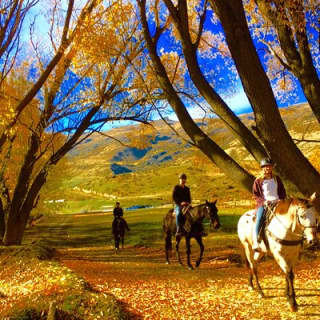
{"x": 122, "y": 170}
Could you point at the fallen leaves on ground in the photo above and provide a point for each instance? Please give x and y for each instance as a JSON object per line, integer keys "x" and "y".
{"x": 30, "y": 284}
{"x": 217, "y": 290}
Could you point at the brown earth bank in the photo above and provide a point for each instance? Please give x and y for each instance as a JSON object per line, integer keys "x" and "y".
{"x": 149, "y": 289}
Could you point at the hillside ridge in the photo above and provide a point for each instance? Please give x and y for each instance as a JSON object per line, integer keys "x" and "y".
{"x": 148, "y": 161}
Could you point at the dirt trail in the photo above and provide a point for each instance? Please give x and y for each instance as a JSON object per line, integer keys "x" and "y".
{"x": 150, "y": 289}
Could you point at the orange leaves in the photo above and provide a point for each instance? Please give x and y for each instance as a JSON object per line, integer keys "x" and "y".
{"x": 174, "y": 66}
{"x": 102, "y": 36}
{"x": 217, "y": 291}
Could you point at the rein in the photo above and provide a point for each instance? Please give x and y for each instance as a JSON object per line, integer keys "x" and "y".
{"x": 195, "y": 217}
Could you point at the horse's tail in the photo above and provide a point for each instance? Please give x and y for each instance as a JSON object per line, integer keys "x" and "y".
{"x": 167, "y": 222}
{"x": 167, "y": 229}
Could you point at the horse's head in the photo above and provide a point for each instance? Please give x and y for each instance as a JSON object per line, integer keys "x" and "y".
{"x": 212, "y": 212}
{"x": 307, "y": 219}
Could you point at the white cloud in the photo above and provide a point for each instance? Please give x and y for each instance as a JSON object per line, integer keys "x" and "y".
{"x": 239, "y": 102}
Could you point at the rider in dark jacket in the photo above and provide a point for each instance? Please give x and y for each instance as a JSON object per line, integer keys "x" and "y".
{"x": 118, "y": 214}
{"x": 117, "y": 211}
{"x": 181, "y": 197}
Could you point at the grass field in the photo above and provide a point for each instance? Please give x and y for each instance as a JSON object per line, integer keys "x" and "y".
{"x": 94, "y": 229}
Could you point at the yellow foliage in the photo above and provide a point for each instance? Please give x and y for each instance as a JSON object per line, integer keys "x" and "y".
{"x": 14, "y": 150}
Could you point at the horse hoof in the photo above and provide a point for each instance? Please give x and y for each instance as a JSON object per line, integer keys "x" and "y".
{"x": 190, "y": 267}
{"x": 167, "y": 262}
{"x": 261, "y": 295}
{"x": 294, "y": 308}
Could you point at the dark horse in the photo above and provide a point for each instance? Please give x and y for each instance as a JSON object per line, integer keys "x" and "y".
{"x": 119, "y": 226}
{"x": 193, "y": 226}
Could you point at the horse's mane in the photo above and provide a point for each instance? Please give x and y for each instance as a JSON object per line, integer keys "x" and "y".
{"x": 289, "y": 205}
{"x": 282, "y": 206}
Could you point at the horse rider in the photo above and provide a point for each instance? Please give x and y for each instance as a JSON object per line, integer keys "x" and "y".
{"x": 267, "y": 188}
{"x": 118, "y": 214}
{"x": 182, "y": 198}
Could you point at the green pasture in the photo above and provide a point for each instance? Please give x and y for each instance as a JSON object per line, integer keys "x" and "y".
{"x": 94, "y": 230}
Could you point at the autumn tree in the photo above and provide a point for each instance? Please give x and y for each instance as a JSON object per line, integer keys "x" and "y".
{"x": 256, "y": 84}
{"x": 193, "y": 41}
{"x": 91, "y": 85}
{"x": 293, "y": 27}
{"x": 66, "y": 38}
{"x": 269, "y": 125}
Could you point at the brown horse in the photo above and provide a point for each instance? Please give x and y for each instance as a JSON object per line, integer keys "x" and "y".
{"x": 193, "y": 226}
{"x": 119, "y": 227}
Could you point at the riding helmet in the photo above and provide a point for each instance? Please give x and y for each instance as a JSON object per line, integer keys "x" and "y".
{"x": 265, "y": 162}
{"x": 182, "y": 176}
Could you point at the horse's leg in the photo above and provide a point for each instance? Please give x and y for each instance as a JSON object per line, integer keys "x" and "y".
{"x": 168, "y": 245}
{"x": 286, "y": 267}
{"x": 250, "y": 277}
{"x": 189, "y": 252}
{"x": 199, "y": 240}
{"x": 252, "y": 266}
{"x": 291, "y": 295}
{"x": 122, "y": 241}
{"x": 116, "y": 242}
{"x": 178, "y": 239}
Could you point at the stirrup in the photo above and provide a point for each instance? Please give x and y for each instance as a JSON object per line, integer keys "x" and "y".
{"x": 257, "y": 249}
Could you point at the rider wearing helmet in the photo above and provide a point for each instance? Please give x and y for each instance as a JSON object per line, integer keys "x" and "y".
{"x": 181, "y": 197}
{"x": 266, "y": 188}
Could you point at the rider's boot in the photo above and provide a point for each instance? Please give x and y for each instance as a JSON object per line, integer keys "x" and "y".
{"x": 180, "y": 231}
{"x": 255, "y": 243}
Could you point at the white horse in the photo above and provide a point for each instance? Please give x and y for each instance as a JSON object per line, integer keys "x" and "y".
{"x": 293, "y": 220}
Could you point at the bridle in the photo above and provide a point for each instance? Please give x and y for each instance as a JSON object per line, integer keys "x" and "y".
{"x": 305, "y": 227}
{"x": 212, "y": 213}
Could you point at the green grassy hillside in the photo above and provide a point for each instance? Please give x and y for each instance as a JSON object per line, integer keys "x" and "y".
{"x": 140, "y": 166}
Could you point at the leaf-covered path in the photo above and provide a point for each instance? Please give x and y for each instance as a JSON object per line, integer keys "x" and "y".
{"x": 150, "y": 289}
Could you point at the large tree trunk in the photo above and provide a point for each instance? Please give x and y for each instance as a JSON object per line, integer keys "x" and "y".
{"x": 298, "y": 57}
{"x": 17, "y": 221}
{"x": 199, "y": 138}
{"x": 243, "y": 134}
{"x": 2, "y": 221}
{"x": 15, "y": 227}
{"x": 290, "y": 161}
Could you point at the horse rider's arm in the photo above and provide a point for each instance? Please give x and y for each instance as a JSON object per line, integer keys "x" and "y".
{"x": 189, "y": 196}
{"x": 281, "y": 189}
